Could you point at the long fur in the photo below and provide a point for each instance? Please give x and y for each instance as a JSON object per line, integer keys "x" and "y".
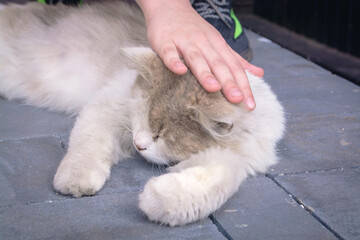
{"x": 95, "y": 62}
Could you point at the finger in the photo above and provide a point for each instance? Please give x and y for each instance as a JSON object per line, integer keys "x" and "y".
{"x": 241, "y": 77}
{"x": 233, "y": 64}
{"x": 219, "y": 67}
{"x": 170, "y": 56}
{"x": 199, "y": 67}
{"x": 257, "y": 71}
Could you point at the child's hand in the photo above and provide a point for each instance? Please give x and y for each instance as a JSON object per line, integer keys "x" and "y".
{"x": 176, "y": 30}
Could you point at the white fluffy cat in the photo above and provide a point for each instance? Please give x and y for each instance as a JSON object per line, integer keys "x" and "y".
{"x": 94, "y": 61}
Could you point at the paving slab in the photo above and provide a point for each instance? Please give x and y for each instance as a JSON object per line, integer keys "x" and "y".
{"x": 28, "y": 166}
{"x": 278, "y": 61}
{"x": 322, "y": 133}
{"x": 129, "y": 174}
{"x": 320, "y": 142}
{"x": 316, "y": 95}
{"x": 261, "y": 210}
{"x": 30, "y": 209}
{"x": 23, "y": 121}
{"x": 331, "y": 195}
{"x": 258, "y": 42}
{"x": 113, "y": 216}
{"x": 281, "y": 63}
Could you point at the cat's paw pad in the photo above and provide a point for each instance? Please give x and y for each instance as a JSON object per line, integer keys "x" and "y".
{"x": 166, "y": 200}
{"x": 79, "y": 181}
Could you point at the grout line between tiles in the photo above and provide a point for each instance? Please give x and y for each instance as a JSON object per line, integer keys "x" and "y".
{"x": 220, "y": 228}
{"x": 301, "y": 116}
{"x": 313, "y": 171}
{"x": 69, "y": 198}
{"x": 306, "y": 208}
{"x": 32, "y": 137}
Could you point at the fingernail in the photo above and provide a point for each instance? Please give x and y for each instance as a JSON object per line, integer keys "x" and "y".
{"x": 235, "y": 93}
{"x": 178, "y": 64}
{"x": 250, "y": 103}
{"x": 211, "y": 81}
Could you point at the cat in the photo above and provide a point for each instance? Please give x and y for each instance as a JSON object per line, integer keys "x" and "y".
{"x": 94, "y": 61}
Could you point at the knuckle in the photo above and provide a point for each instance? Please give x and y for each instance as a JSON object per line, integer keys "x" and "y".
{"x": 167, "y": 50}
{"x": 216, "y": 62}
{"x": 220, "y": 41}
{"x": 228, "y": 83}
{"x": 205, "y": 74}
{"x": 194, "y": 55}
{"x": 238, "y": 69}
{"x": 217, "y": 36}
{"x": 246, "y": 90}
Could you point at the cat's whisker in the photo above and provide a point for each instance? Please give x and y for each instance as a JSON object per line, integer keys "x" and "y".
{"x": 128, "y": 128}
{"x": 160, "y": 168}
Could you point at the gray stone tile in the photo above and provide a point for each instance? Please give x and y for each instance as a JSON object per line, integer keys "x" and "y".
{"x": 114, "y": 216}
{"x": 21, "y": 121}
{"x": 128, "y": 174}
{"x": 27, "y": 168}
{"x": 258, "y": 42}
{"x": 262, "y": 210}
{"x": 302, "y": 86}
{"x": 131, "y": 175}
{"x": 320, "y": 142}
{"x": 315, "y": 95}
{"x": 323, "y": 133}
{"x": 281, "y": 63}
{"x": 332, "y": 195}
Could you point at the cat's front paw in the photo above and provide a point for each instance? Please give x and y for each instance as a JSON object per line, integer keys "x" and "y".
{"x": 174, "y": 199}
{"x": 78, "y": 179}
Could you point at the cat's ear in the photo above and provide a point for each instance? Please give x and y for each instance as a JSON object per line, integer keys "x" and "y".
{"x": 139, "y": 58}
{"x": 216, "y": 126}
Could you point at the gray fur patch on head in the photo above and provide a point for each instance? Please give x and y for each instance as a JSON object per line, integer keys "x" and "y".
{"x": 180, "y": 111}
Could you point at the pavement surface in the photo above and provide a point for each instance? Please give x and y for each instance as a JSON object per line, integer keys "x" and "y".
{"x": 312, "y": 193}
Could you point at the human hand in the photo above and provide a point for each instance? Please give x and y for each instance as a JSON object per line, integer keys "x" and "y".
{"x": 176, "y": 30}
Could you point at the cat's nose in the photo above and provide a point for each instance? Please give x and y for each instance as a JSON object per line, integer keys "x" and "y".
{"x": 139, "y": 147}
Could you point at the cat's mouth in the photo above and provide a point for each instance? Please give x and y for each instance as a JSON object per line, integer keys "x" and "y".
{"x": 151, "y": 154}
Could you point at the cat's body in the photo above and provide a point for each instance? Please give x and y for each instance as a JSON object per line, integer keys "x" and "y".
{"x": 79, "y": 61}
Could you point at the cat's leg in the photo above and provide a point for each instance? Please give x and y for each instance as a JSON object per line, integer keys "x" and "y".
{"x": 197, "y": 188}
{"x": 101, "y": 134}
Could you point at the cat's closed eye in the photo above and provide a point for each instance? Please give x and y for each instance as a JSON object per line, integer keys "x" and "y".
{"x": 158, "y": 132}
{"x": 222, "y": 127}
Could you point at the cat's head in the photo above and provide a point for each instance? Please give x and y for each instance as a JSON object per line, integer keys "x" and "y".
{"x": 173, "y": 116}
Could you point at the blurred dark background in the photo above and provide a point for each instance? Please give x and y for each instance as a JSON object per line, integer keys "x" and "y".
{"x": 324, "y": 31}
{"x": 335, "y": 23}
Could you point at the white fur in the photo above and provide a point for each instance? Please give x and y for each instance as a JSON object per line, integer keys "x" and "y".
{"x": 71, "y": 76}
{"x": 94, "y": 141}
{"x": 198, "y": 186}
{"x": 194, "y": 189}
{"x": 155, "y": 151}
